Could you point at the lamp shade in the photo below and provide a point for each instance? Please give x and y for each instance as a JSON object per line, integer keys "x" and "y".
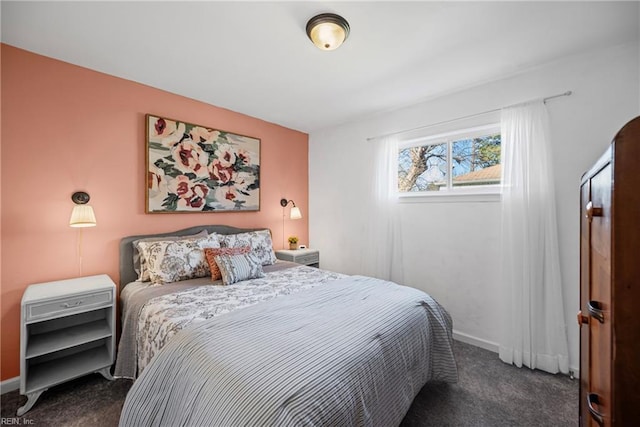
{"x": 82, "y": 216}
{"x": 295, "y": 213}
{"x": 327, "y": 30}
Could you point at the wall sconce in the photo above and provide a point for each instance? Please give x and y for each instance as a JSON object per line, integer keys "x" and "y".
{"x": 295, "y": 211}
{"x": 82, "y": 214}
{"x": 294, "y": 214}
{"x": 327, "y": 30}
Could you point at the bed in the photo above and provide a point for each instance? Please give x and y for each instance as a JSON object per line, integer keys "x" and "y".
{"x": 291, "y": 345}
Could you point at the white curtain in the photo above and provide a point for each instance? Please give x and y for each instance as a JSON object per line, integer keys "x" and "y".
{"x": 534, "y": 330}
{"x": 382, "y": 255}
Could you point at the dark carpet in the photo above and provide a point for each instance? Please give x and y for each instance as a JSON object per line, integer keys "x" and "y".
{"x": 488, "y": 393}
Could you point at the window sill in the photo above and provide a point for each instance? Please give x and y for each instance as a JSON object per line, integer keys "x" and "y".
{"x": 452, "y": 197}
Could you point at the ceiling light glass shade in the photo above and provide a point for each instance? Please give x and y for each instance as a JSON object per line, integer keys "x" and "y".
{"x": 328, "y": 31}
{"x": 82, "y": 216}
{"x": 295, "y": 213}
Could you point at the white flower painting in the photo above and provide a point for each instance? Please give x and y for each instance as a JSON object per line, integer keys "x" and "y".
{"x": 193, "y": 168}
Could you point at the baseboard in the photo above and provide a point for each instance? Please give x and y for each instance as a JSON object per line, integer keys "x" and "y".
{"x": 478, "y": 342}
{"x": 9, "y": 385}
{"x": 493, "y": 346}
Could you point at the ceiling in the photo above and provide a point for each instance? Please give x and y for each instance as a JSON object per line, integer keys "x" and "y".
{"x": 255, "y": 58}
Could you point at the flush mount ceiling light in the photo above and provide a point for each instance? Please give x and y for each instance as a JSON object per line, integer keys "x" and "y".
{"x": 328, "y": 30}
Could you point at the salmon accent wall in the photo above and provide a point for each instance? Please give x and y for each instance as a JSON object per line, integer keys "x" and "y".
{"x": 66, "y": 128}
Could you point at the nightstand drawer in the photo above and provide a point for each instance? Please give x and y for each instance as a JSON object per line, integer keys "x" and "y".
{"x": 308, "y": 259}
{"x": 300, "y": 256}
{"x": 66, "y": 306}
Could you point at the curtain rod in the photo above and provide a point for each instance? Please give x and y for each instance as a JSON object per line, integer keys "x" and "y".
{"x": 567, "y": 93}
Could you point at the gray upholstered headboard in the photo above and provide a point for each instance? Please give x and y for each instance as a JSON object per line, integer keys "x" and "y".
{"x": 127, "y": 272}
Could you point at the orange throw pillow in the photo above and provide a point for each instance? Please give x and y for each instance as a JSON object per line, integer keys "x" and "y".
{"x": 210, "y": 254}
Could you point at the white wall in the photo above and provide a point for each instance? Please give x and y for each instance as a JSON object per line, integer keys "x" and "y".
{"x": 452, "y": 249}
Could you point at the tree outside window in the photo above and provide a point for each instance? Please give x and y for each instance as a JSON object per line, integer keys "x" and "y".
{"x": 461, "y": 161}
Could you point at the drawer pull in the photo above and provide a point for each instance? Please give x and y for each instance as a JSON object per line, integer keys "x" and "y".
{"x": 595, "y": 311}
{"x": 592, "y": 399}
{"x": 69, "y": 305}
{"x": 592, "y": 211}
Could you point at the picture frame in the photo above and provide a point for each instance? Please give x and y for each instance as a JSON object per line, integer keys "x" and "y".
{"x": 195, "y": 168}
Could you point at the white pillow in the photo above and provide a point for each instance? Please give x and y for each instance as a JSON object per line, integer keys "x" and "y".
{"x": 139, "y": 262}
{"x": 174, "y": 260}
{"x": 235, "y": 268}
{"x": 259, "y": 241}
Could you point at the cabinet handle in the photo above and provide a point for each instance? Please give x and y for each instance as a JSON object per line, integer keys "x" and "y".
{"x": 595, "y": 311}
{"x": 68, "y": 305}
{"x": 592, "y": 211}
{"x": 592, "y": 399}
{"x": 581, "y": 318}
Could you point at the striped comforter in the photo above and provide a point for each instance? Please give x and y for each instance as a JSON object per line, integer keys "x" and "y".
{"x": 354, "y": 351}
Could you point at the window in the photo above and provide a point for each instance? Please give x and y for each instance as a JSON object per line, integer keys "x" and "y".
{"x": 465, "y": 161}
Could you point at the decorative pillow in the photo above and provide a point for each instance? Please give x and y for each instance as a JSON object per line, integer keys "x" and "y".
{"x": 139, "y": 262}
{"x": 171, "y": 261}
{"x": 259, "y": 241}
{"x": 235, "y": 268}
{"x": 210, "y": 253}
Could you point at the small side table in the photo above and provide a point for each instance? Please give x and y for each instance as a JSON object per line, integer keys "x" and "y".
{"x": 67, "y": 330}
{"x": 310, "y": 257}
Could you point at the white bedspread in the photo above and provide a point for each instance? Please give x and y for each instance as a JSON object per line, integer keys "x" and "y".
{"x": 354, "y": 352}
{"x": 161, "y": 317}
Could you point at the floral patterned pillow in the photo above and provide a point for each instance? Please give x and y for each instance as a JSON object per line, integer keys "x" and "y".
{"x": 140, "y": 263}
{"x": 259, "y": 241}
{"x": 235, "y": 268}
{"x": 171, "y": 261}
{"x": 210, "y": 254}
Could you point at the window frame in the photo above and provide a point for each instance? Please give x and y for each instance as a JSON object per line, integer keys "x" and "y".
{"x": 480, "y": 193}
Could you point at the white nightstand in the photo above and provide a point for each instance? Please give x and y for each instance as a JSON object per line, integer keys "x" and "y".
{"x": 309, "y": 257}
{"x": 67, "y": 330}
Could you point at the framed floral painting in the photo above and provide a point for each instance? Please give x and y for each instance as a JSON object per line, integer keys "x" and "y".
{"x": 193, "y": 168}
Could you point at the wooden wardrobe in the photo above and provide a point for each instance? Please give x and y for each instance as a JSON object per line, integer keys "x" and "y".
{"x": 609, "y": 315}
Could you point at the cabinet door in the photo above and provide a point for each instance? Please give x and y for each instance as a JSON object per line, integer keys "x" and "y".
{"x": 598, "y": 304}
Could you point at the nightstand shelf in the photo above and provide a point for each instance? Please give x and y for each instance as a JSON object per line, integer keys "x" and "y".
{"x": 66, "y": 368}
{"x": 66, "y": 338}
{"x": 310, "y": 257}
{"x": 67, "y": 330}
